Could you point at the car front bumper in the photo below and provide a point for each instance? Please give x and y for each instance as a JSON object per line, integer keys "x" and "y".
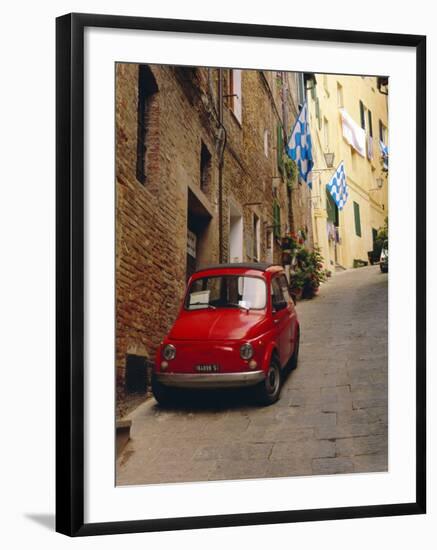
{"x": 210, "y": 380}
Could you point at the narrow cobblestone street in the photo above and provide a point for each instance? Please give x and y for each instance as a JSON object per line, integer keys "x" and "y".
{"x": 331, "y": 416}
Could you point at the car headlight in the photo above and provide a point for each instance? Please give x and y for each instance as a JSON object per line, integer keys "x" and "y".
{"x": 246, "y": 351}
{"x": 169, "y": 352}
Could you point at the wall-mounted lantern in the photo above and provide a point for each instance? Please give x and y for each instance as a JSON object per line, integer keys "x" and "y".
{"x": 329, "y": 159}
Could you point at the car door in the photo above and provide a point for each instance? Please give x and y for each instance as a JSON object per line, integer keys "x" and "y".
{"x": 281, "y": 320}
{"x": 292, "y": 316}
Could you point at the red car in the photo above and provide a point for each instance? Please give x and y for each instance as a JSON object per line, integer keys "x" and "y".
{"x": 237, "y": 326}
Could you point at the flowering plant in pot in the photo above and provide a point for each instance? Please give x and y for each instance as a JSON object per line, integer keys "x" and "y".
{"x": 309, "y": 272}
{"x": 297, "y": 282}
{"x": 289, "y": 242}
{"x": 314, "y": 273}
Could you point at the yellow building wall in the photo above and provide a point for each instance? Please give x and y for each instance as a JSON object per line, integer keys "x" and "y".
{"x": 331, "y": 93}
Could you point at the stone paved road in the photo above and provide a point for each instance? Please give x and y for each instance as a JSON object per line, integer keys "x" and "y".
{"x": 331, "y": 417}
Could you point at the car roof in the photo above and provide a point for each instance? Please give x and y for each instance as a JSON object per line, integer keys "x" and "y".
{"x": 257, "y": 266}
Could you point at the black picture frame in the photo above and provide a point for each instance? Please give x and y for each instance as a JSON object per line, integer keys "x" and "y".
{"x": 70, "y": 273}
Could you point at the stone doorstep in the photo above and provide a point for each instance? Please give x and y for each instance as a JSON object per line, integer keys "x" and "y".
{"x": 122, "y": 434}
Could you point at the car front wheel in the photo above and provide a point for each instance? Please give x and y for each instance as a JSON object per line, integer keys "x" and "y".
{"x": 269, "y": 389}
{"x": 161, "y": 393}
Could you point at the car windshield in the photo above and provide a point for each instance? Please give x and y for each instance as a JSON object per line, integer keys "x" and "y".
{"x": 226, "y": 291}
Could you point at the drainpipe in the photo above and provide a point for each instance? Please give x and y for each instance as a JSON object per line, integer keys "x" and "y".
{"x": 222, "y": 145}
{"x": 285, "y": 132}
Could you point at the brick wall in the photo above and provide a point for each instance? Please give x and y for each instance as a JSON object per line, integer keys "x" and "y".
{"x": 153, "y": 214}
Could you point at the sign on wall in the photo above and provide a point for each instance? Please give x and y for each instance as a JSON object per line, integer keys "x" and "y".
{"x": 191, "y": 243}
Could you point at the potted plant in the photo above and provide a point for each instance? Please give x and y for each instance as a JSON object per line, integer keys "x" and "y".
{"x": 297, "y": 281}
{"x": 314, "y": 273}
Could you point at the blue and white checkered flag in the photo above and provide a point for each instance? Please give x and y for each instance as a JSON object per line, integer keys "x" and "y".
{"x": 384, "y": 153}
{"x": 299, "y": 146}
{"x": 338, "y": 186}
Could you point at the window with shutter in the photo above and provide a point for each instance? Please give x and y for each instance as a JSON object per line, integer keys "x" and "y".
{"x": 369, "y": 114}
{"x": 276, "y": 220}
{"x": 300, "y": 84}
{"x": 357, "y": 219}
{"x": 331, "y": 209}
{"x": 279, "y": 147}
{"x": 235, "y": 93}
{"x": 382, "y": 132}
{"x": 362, "y": 115}
{"x": 147, "y": 89}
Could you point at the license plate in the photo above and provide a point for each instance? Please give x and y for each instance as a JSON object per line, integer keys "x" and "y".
{"x": 207, "y": 368}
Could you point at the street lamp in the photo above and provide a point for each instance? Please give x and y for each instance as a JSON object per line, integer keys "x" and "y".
{"x": 379, "y": 184}
{"x": 329, "y": 159}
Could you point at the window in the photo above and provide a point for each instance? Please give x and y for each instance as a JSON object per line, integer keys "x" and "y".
{"x": 279, "y": 146}
{"x": 340, "y": 95}
{"x": 300, "y": 85}
{"x": 277, "y": 295}
{"x": 370, "y": 127}
{"x": 284, "y": 285}
{"x": 147, "y": 105}
{"x": 235, "y": 93}
{"x": 331, "y": 209}
{"x": 313, "y": 88}
{"x": 269, "y": 239}
{"x": 266, "y": 143}
{"x": 255, "y": 238}
{"x": 382, "y": 132}
{"x": 226, "y": 291}
{"x": 357, "y": 219}
{"x": 276, "y": 220}
{"x": 205, "y": 167}
{"x": 362, "y": 115}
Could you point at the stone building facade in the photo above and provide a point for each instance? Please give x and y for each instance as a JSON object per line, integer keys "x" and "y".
{"x": 200, "y": 178}
{"x": 347, "y": 236}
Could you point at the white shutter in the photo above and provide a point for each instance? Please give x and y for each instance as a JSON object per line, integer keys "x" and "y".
{"x": 236, "y": 89}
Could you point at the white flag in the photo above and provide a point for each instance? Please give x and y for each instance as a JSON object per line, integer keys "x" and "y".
{"x": 353, "y": 133}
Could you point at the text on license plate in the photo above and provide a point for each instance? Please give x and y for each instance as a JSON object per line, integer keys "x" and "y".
{"x": 207, "y": 368}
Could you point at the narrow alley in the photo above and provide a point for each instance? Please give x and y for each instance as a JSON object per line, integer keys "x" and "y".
{"x": 331, "y": 417}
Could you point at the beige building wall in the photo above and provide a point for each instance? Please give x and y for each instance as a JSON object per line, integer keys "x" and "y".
{"x": 366, "y": 179}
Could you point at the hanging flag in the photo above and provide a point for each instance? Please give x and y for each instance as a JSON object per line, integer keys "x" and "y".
{"x": 299, "y": 146}
{"x": 353, "y": 133}
{"x": 384, "y": 153}
{"x": 337, "y": 186}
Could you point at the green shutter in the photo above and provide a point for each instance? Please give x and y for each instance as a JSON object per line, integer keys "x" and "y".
{"x": 369, "y": 113}
{"x": 362, "y": 116}
{"x": 276, "y": 220}
{"x": 331, "y": 209}
{"x": 357, "y": 219}
{"x": 280, "y": 147}
{"x": 381, "y": 131}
